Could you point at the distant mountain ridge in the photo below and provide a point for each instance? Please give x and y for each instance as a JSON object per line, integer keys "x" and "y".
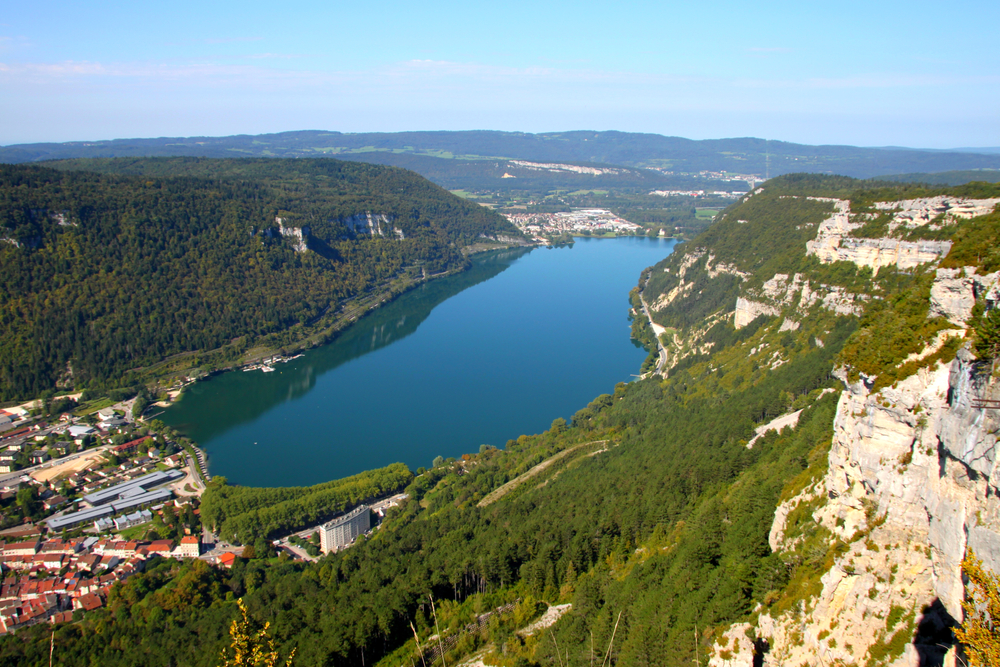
{"x": 423, "y": 150}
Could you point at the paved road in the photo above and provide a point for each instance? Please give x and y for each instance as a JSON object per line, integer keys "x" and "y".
{"x": 195, "y": 474}
{"x": 662, "y": 351}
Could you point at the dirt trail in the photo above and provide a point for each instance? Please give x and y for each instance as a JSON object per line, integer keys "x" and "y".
{"x": 499, "y": 493}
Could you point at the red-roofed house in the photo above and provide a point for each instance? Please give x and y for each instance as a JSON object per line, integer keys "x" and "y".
{"x": 88, "y": 602}
{"x": 161, "y": 547}
{"x": 190, "y": 547}
{"x": 129, "y": 447}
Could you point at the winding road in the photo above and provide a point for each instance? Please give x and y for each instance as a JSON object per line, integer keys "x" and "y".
{"x": 657, "y": 331}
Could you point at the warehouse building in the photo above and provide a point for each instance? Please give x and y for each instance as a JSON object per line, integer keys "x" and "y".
{"x": 135, "y": 487}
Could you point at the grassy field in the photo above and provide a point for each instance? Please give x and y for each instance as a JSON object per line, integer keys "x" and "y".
{"x": 136, "y": 532}
{"x": 91, "y": 407}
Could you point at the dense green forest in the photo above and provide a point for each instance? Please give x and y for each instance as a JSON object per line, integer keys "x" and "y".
{"x": 949, "y": 177}
{"x": 103, "y": 273}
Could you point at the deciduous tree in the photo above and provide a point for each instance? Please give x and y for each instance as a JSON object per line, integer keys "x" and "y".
{"x": 980, "y": 633}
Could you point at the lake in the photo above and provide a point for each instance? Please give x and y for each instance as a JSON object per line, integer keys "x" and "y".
{"x": 522, "y": 338}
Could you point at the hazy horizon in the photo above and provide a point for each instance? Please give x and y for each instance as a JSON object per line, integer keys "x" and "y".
{"x": 853, "y": 73}
{"x": 985, "y": 149}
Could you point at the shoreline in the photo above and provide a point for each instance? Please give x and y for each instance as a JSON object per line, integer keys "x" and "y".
{"x": 351, "y": 313}
{"x": 633, "y": 255}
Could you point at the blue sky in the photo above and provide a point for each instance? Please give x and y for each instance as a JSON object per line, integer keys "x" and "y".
{"x": 869, "y": 73}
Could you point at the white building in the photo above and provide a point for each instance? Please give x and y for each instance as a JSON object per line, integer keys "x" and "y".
{"x": 190, "y": 547}
{"x": 344, "y": 529}
{"x": 134, "y": 519}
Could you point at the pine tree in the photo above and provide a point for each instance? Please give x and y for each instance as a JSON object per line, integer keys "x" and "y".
{"x": 987, "y": 343}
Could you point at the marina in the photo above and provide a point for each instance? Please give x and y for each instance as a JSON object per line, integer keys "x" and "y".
{"x": 267, "y": 365}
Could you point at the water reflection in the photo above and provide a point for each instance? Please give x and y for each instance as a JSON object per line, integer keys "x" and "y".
{"x": 223, "y": 402}
{"x": 502, "y": 353}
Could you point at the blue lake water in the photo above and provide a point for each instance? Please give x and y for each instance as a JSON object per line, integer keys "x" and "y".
{"x": 522, "y": 338}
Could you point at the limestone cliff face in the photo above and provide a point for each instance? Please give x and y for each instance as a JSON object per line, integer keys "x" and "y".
{"x": 781, "y": 291}
{"x": 502, "y": 238}
{"x": 955, "y": 291}
{"x": 912, "y": 481}
{"x": 834, "y": 242}
{"x": 375, "y": 224}
{"x": 747, "y": 310}
{"x": 298, "y": 235}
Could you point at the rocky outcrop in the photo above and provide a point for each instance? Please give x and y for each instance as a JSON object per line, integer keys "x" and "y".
{"x": 955, "y": 291}
{"x": 748, "y": 310}
{"x": 680, "y": 291}
{"x": 912, "y": 481}
{"x": 375, "y": 224}
{"x": 690, "y": 258}
{"x": 781, "y": 291}
{"x": 501, "y": 238}
{"x": 298, "y": 235}
{"x": 934, "y": 211}
{"x": 842, "y": 302}
{"x": 722, "y": 268}
{"x": 834, "y": 243}
{"x": 879, "y": 253}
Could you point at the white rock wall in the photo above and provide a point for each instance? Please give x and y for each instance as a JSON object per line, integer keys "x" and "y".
{"x": 914, "y": 468}
{"x": 834, "y": 242}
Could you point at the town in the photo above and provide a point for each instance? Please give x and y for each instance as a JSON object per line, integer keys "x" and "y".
{"x": 588, "y": 221}
{"x": 91, "y": 500}
{"x": 727, "y": 176}
{"x": 698, "y": 193}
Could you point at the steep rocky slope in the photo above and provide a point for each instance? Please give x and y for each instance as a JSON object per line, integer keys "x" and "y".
{"x": 910, "y": 479}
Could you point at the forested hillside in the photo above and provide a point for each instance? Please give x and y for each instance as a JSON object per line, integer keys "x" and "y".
{"x": 675, "y": 521}
{"x": 109, "y": 266}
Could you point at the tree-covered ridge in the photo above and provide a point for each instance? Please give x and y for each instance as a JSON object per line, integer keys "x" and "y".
{"x": 103, "y": 273}
{"x": 766, "y": 233}
{"x": 323, "y": 192}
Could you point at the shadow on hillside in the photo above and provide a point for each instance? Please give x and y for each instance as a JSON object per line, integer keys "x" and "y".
{"x": 760, "y": 649}
{"x": 932, "y": 640}
{"x": 934, "y": 637}
{"x": 323, "y": 249}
